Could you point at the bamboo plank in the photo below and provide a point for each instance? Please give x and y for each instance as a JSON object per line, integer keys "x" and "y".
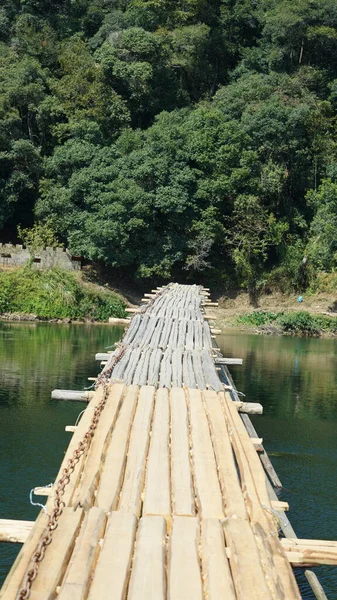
{"x": 166, "y": 370}
{"x": 211, "y": 378}
{"x": 208, "y": 493}
{"x": 130, "y": 497}
{"x": 198, "y": 372}
{"x": 116, "y": 455}
{"x": 184, "y": 577}
{"x": 112, "y": 572}
{"x": 181, "y": 478}
{"x": 188, "y": 374}
{"x": 157, "y": 493}
{"x": 54, "y": 564}
{"x": 218, "y": 583}
{"x": 84, "y": 494}
{"x": 154, "y": 366}
{"x": 177, "y": 368}
{"x": 133, "y": 362}
{"x": 147, "y": 580}
{"x": 78, "y": 576}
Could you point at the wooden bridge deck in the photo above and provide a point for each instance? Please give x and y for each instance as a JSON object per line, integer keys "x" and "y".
{"x": 169, "y": 499}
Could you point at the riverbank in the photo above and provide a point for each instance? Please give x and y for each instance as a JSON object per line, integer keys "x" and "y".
{"x": 28, "y": 294}
{"x": 279, "y": 314}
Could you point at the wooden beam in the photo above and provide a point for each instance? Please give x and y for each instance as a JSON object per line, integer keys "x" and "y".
{"x": 279, "y": 505}
{"x": 250, "y": 408}
{"x": 216, "y": 331}
{"x": 43, "y": 491}
{"x": 118, "y": 321}
{"x": 132, "y": 310}
{"x": 228, "y": 361}
{"x": 74, "y": 395}
{"x": 70, "y": 428}
{"x": 310, "y": 552}
{"x": 15, "y": 531}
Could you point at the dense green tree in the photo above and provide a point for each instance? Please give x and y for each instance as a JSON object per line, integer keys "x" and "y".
{"x": 174, "y": 137}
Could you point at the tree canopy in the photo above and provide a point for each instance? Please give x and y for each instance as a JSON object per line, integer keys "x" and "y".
{"x": 173, "y": 137}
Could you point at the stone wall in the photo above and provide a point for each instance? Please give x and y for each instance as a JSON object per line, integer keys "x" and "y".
{"x": 45, "y": 258}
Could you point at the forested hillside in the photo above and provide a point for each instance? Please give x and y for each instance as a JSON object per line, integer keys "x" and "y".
{"x": 169, "y": 137}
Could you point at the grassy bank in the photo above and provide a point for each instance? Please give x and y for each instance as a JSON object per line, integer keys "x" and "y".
{"x": 300, "y": 322}
{"x": 56, "y": 294}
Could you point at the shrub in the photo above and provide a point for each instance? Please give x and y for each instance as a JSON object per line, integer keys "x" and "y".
{"x": 56, "y": 294}
{"x": 299, "y": 322}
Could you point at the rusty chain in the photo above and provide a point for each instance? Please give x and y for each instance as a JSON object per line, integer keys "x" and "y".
{"x": 83, "y": 445}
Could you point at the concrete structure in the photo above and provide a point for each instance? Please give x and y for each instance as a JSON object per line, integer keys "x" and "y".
{"x": 17, "y": 255}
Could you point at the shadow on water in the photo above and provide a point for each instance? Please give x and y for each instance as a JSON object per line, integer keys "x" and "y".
{"x": 35, "y": 358}
{"x": 295, "y": 379}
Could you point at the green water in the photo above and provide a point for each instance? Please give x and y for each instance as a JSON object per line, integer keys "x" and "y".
{"x": 295, "y": 379}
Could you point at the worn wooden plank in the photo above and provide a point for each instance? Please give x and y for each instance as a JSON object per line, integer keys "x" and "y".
{"x": 148, "y": 581}
{"x": 247, "y": 569}
{"x": 84, "y": 493}
{"x": 208, "y": 492}
{"x": 227, "y": 471}
{"x": 217, "y": 578}
{"x": 116, "y": 454}
{"x": 78, "y": 575}
{"x": 181, "y": 478}
{"x": 279, "y": 575}
{"x": 157, "y": 493}
{"x": 130, "y": 497}
{"x": 55, "y": 562}
{"x": 112, "y": 572}
{"x": 184, "y": 577}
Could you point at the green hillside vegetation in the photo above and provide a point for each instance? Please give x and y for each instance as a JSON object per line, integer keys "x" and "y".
{"x": 56, "y": 294}
{"x": 174, "y": 138}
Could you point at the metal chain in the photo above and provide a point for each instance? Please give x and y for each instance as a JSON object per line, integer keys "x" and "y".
{"x": 83, "y": 445}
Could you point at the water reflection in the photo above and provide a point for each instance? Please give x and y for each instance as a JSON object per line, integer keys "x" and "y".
{"x": 35, "y": 358}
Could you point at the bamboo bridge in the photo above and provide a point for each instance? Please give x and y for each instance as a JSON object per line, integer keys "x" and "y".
{"x": 165, "y": 490}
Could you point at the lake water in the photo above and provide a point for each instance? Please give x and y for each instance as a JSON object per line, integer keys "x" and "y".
{"x": 295, "y": 379}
